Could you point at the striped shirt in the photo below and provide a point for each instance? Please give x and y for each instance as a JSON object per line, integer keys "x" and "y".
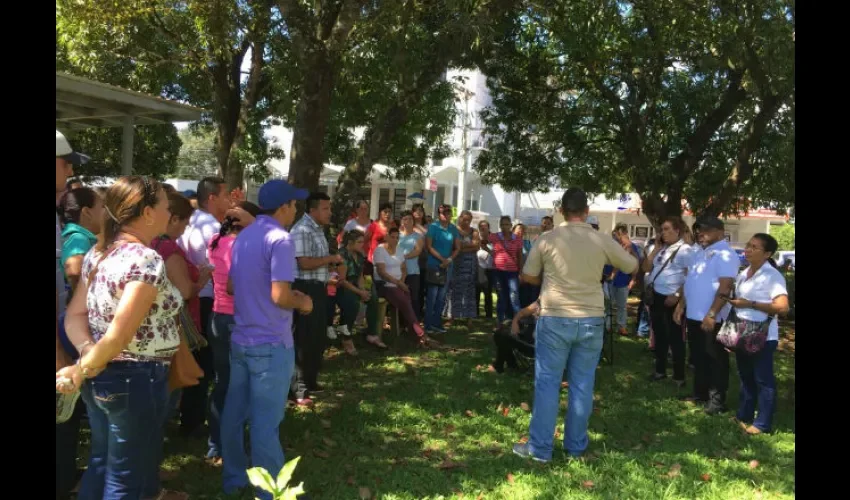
{"x": 310, "y": 241}
{"x": 506, "y": 252}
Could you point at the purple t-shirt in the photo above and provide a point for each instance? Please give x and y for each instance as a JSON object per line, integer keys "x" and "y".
{"x": 262, "y": 253}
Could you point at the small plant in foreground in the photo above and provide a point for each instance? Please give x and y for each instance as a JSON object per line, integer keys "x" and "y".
{"x": 279, "y": 489}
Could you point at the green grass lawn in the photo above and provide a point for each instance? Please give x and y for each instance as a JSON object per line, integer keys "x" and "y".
{"x": 408, "y": 424}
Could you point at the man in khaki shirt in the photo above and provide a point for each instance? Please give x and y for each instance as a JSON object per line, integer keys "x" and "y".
{"x": 568, "y": 261}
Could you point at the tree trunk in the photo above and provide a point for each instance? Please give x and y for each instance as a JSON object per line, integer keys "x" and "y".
{"x": 307, "y": 156}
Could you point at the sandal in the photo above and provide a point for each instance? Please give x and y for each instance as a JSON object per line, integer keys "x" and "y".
{"x": 376, "y": 341}
{"x": 349, "y": 348}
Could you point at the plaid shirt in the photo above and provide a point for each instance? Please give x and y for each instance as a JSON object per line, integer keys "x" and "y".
{"x": 310, "y": 241}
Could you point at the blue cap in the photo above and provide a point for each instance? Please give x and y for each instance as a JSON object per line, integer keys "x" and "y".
{"x": 278, "y": 192}
{"x": 189, "y": 193}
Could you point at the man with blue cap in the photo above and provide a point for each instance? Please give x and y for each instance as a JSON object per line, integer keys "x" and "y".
{"x": 263, "y": 353}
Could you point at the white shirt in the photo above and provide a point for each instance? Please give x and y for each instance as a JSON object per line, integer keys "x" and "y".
{"x": 195, "y": 240}
{"x": 353, "y": 224}
{"x": 673, "y": 275}
{"x": 392, "y": 263}
{"x": 485, "y": 259}
{"x": 706, "y": 268}
{"x": 766, "y": 284}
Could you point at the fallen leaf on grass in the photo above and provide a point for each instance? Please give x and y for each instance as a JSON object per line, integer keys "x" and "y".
{"x": 754, "y": 464}
{"x": 350, "y": 480}
{"x": 646, "y": 438}
{"x": 438, "y": 416}
{"x": 329, "y": 442}
{"x": 596, "y": 411}
{"x": 510, "y": 478}
{"x": 524, "y": 407}
{"x": 321, "y": 454}
{"x": 587, "y": 484}
{"x": 658, "y": 465}
{"x": 674, "y": 471}
{"x": 365, "y": 493}
{"x": 523, "y": 439}
{"x": 480, "y": 496}
{"x": 469, "y": 413}
{"x": 705, "y": 477}
{"x": 326, "y": 424}
{"x": 565, "y": 385}
{"x": 449, "y": 464}
{"x": 449, "y": 429}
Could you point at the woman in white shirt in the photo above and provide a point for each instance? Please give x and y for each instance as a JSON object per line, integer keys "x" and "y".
{"x": 666, "y": 266}
{"x": 486, "y": 280}
{"x": 760, "y": 292}
{"x": 390, "y": 273}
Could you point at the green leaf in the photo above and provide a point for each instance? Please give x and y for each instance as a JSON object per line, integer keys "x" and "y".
{"x": 286, "y": 473}
{"x": 292, "y": 493}
{"x": 260, "y": 478}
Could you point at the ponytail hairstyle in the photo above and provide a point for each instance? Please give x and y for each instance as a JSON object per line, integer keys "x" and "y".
{"x": 73, "y": 202}
{"x": 124, "y": 202}
{"x": 231, "y": 225}
{"x": 770, "y": 245}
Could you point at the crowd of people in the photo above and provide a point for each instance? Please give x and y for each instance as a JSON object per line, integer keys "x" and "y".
{"x": 165, "y": 297}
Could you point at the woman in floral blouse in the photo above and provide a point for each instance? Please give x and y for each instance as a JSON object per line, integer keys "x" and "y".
{"x": 122, "y": 320}
{"x": 351, "y": 292}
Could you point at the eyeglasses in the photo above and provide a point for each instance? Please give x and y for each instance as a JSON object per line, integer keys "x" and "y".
{"x": 750, "y": 247}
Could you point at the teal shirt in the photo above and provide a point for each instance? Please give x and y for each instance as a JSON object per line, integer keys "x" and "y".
{"x": 442, "y": 240}
{"x": 76, "y": 240}
{"x": 407, "y": 244}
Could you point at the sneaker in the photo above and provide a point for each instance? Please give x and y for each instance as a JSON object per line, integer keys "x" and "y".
{"x": 342, "y": 330}
{"x": 331, "y": 333}
{"x": 623, "y": 332}
{"x": 655, "y": 377}
{"x": 65, "y": 404}
{"x": 712, "y": 410}
{"x": 524, "y": 451}
{"x": 306, "y": 402}
{"x": 439, "y": 329}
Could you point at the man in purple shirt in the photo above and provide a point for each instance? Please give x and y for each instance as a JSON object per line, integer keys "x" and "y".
{"x": 262, "y": 354}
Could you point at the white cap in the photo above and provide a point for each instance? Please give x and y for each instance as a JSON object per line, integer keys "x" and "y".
{"x": 592, "y": 219}
{"x": 64, "y": 150}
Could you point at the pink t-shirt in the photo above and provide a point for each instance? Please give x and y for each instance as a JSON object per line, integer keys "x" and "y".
{"x": 220, "y": 258}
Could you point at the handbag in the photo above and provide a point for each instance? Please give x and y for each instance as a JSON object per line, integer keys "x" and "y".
{"x": 184, "y": 370}
{"x": 436, "y": 276}
{"x": 743, "y": 335}
{"x": 649, "y": 292}
{"x": 189, "y": 330}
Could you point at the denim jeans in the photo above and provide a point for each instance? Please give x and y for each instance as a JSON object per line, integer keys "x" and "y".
{"x": 643, "y": 320}
{"x": 127, "y": 404}
{"x": 619, "y": 297}
{"x": 220, "y": 344}
{"x": 507, "y": 288}
{"x": 758, "y": 384}
{"x": 574, "y": 344}
{"x": 259, "y": 382}
{"x": 435, "y": 302}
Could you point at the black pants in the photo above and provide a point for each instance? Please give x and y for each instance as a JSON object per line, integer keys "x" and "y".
{"x": 195, "y": 400}
{"x": 311, "y": 338}
{"x": 67, "y": 441}
{"x": 505, "y": 345}
{"x": 487, "y": 289}
{"x": 414, "y": 283}
{"x": 667, "y": 335}
{"x": 711, "y": 361}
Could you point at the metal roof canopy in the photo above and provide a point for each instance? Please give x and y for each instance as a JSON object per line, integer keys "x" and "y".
{"x": 82, "y": 103}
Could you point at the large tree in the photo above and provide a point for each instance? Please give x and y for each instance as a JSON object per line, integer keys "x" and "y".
{"x": 193, "y": 50}
{"x": 678, "y": 100}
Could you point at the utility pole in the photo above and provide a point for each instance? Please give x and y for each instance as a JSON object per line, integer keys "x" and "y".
{"x": 461, "y": 176}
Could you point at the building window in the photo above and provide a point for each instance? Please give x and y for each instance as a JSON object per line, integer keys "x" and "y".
{"x": 399, "y": 201}
{"x": 437, "y": 162}
{"x": 383, "y": 196}
{"x": 641, "y": 231}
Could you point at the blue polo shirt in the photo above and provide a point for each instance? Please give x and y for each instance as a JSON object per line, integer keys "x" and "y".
{"x": 442, "y": 239}
{"x": 262, "y": 253}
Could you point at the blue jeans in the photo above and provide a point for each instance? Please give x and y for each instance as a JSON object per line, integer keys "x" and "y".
{"x": 758, "y": 384}
{"x": 507, "y": 288}
{"x": 127, "y": 404}
{"x": 574, "y": 344}
{"x": 220, "y": 343}
{"x": 435, "y": 302}
{"x": 643, "y": 321}
{"x": 619, "y": 297}
{"x": 259, "y": 383}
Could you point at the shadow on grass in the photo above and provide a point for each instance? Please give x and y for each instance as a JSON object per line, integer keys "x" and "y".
{"x": 428, "y": 424}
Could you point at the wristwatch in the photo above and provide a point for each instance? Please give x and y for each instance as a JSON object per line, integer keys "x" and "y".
{"x": 710, "y": 314}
